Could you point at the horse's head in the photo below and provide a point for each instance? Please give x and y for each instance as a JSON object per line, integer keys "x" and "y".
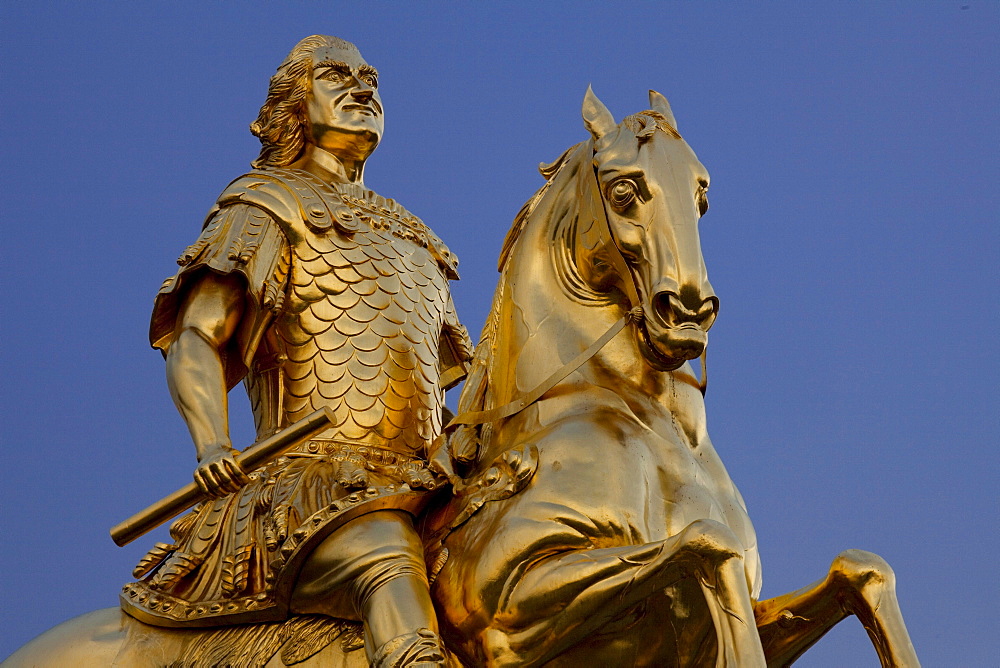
{"x": 649, "y": 187}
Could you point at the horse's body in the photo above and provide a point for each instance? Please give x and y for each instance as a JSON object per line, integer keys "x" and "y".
{"x": 630, "y": 544}
{"x": 109, "y": 637}
{"x": 597, "y": 526}
{"x": 575, "y": 567}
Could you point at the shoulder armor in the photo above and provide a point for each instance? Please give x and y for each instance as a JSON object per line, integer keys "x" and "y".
{"x": 386, "y": 213}
{"x": 291, "y": 196}
{"x": 447, "y": 260}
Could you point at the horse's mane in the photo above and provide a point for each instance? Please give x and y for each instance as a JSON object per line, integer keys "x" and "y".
{"x": 476, "y": 394}
{"x": 520, "y": 220}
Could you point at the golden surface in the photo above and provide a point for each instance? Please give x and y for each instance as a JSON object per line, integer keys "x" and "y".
{"x": 320, "y": 295}
{"x": 589, "y": 521}
{"x": 260, "y": 453}
{"x": 630, "y": 544}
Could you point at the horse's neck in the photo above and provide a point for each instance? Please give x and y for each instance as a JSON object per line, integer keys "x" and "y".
{"x": 548, "y": 317}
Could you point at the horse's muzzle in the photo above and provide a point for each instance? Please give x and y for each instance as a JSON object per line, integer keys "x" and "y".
{"x": 676, "y": 329}
{"x": 673, "y": 312}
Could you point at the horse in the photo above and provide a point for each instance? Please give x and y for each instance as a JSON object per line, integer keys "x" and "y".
{"x": 594, "y": 523}
{"x": 591, "y": 521}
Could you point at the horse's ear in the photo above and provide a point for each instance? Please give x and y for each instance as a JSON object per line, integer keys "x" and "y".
{"x": 596, "y": 117}
{"x": 659, "y": 104}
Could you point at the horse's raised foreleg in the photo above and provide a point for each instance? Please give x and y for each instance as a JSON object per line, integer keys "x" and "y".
{"x": 563, "y": 599}
{"x": 859, "y": 583}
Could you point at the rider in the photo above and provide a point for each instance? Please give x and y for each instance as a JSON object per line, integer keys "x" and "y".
{"x": 316, "y": 292}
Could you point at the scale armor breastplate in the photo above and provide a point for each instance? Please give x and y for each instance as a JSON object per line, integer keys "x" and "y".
{"x": 360, "y": 332}
{"x": 361, "y": 323}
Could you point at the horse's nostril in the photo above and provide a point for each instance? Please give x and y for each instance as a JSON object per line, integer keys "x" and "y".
{"x": 706, "y": 316}
{"x": 662, "y": 307}
{"x": 709, "y": 309}
{"x": 671, "y": 310}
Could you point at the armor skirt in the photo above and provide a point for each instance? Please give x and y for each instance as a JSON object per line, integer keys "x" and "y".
{"x": 236, "y": 559}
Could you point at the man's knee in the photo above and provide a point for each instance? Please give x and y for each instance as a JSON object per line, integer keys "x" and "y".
{"x": 356, "y": 560}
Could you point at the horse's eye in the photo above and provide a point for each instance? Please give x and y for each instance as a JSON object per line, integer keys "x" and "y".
{"x": 622, "y": 192}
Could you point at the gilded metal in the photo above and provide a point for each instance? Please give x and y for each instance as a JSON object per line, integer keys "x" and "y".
{"x": 628, "y": 544}
{"x": 320, "y": 295}
{"x": 589, "y": 519}
{"x": 250, "y": 459}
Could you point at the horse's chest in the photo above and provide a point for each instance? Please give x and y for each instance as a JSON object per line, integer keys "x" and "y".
{"x": 693, "y": 489}
{"x": 686, "y": 484}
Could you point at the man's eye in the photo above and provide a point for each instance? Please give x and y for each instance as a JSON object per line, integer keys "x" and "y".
{"x": 370, "y": 80}
{"x": 333, "y": 75}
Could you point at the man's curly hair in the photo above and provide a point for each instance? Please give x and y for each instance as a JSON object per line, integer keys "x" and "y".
{"x": 280, "y": 126}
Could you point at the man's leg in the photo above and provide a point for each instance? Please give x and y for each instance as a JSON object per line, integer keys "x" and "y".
{"x": 373, "y": 569}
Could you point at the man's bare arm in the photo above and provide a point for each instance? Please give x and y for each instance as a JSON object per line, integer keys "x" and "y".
{"x": 207, "y": 320}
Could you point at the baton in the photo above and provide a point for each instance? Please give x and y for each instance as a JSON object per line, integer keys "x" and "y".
{"x": 250, "y": 459}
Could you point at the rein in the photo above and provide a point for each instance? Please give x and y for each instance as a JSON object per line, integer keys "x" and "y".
{"x": 517, "y": 405}
{"x": 635, "y": 314}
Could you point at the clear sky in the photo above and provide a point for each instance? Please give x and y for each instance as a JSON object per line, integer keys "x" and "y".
{"x": 852, "y": 241}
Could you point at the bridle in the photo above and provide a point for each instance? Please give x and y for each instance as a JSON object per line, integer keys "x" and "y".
{"x": 634, "y": 314}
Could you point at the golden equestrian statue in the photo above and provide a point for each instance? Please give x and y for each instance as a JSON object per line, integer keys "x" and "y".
{"x": 574, "y": 513}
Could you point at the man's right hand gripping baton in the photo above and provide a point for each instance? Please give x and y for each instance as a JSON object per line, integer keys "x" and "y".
{"x": 252, "y": 458}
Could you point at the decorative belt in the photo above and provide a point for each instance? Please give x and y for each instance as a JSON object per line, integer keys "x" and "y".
{"x": 340, "y": 449}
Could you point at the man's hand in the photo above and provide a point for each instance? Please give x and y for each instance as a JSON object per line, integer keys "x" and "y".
{"x": 218, "y": 474}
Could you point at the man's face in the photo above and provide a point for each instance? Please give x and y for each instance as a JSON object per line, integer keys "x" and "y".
{"x": 344, "y": 108}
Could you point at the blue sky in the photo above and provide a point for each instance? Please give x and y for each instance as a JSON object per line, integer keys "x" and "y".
{"x": 852, "y": 242}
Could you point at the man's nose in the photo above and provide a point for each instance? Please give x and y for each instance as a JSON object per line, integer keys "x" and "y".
{"x": 362, "y": 95}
